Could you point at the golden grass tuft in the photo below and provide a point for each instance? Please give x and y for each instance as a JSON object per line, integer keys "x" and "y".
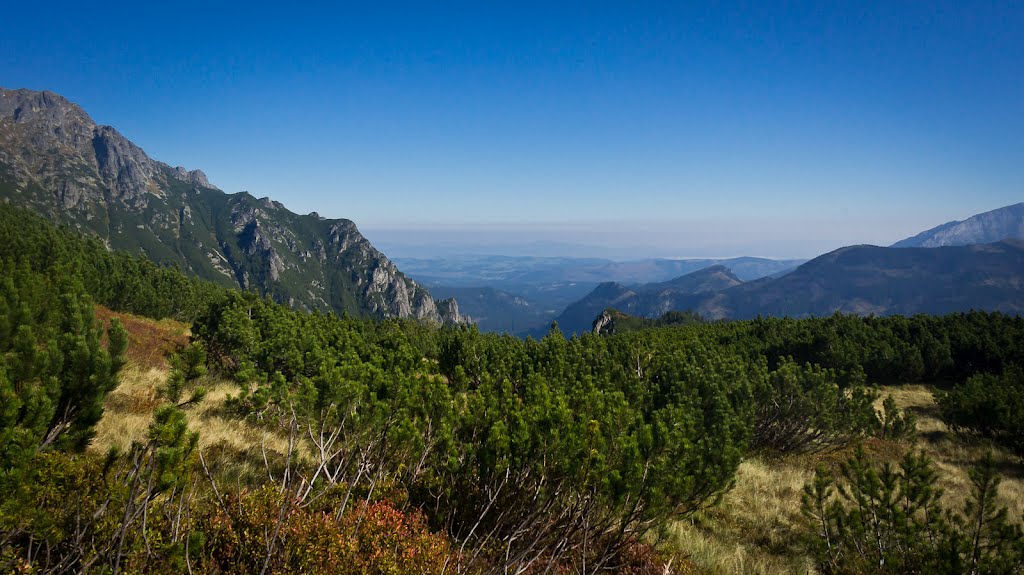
{"x": 955, "y": 455}
{"x": 756, "y": 526}
{"x": 129, "y": 411}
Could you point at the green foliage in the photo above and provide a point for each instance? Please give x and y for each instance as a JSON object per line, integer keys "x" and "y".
{"x": 894, "y": 423}
{"x": 571, "y": 440}
{"x": 802, "y": 408}
{"x": 885, "y": 350}
{"x": 123, "y": 513}
{"x": 990, "y": 406}
{"x": 889, "y": 519}
{"x": 118, "y": 280}
{"x": 624, "y": 323}
{"x": 54, "y": 371}
{"x": 188, "y": 365}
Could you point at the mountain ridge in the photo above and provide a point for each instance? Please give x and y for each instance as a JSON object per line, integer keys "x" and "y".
{"x": 56, "y": 160}
{"x": 987, "y": 227}
{"x": 860, "y": 279}
{"x": 867, "y": 280}
{"x": 647, "y": 300}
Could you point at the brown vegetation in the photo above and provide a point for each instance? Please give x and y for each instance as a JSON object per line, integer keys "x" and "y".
{"x": 149, "y": 340}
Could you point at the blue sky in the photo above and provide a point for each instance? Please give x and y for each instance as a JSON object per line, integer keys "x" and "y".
{"x": 676, "y": 128}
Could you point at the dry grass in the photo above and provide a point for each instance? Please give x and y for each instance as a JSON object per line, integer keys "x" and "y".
{"x": 954, "y": 456}
{"x": 149, "y": 340}
{"x": 128, "y": 410}
{"x": 755, "y": 528}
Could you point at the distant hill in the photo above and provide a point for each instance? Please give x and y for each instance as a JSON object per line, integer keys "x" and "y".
{"x": 1000, "y": 224}
{"x": 549, "y": 284}
{"x": 861, "y": 280}
{"x": 647, "y": 300}
{"x": 55, "y": 160}
{"x": 882, "y": 281}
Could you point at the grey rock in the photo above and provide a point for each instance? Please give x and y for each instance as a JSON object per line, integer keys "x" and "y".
{"x": 55, "y": 159}
{"x": 993, "y": 226}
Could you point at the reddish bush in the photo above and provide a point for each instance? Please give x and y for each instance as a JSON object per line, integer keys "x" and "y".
{"x": 260, "y": 528}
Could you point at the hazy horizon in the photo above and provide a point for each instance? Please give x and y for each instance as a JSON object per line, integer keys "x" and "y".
{"x": 777, "y": 239}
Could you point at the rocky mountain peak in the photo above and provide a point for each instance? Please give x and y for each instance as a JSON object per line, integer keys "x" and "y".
{"x": 56, "y": 160}
{"x": 984, "y": 228}
{"x": 127, "y": 170}
{"x": 194, "y": 177}
{"x": 24, "y": 106}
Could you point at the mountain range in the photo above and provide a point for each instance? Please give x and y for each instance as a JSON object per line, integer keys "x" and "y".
{"x": 57, "y": 161}
{"x": 863, "y": 280}
{"x": 529, "y": 292}
{"x": 646, "y": 300}
{"x": 992, "y": 226}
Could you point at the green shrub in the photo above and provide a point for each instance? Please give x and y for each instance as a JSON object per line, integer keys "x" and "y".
{"x": 990, "y": 406}
{"x": 889, "y": 519}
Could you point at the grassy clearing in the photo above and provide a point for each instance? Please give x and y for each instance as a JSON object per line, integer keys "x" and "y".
{"x": 128, "y": 410}
{"x": 954, "y": 455}
{"x": 757, "y": 526}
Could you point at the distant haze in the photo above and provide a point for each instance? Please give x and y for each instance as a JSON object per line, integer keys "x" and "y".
{"x": 787, "y": 238}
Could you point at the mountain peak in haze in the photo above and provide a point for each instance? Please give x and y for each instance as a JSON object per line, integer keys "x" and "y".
{"x": 993, "y": 226}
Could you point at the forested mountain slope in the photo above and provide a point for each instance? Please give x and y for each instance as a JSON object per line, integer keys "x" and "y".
{"x": 55, "y": 160}
{"x": 862, "y": 280}
{"x": 883, "y": 281}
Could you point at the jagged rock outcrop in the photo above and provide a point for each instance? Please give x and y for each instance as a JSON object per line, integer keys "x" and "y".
{"x": 601, "y": 322}
{"x": 55, "y": 159}
{"x": 449, "y": 308}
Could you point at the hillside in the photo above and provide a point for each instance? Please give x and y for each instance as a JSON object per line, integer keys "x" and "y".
{"x": 883, "y": 281}
{"x": 648, "y": 301}
{"x": 862, "y": 280}
{"x": 57, "y": 161}
{"x": 992, "y": 226}
{"x": 239, "y": 453}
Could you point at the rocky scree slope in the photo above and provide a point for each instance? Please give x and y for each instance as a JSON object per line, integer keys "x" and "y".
{"x": 57, "y": 161}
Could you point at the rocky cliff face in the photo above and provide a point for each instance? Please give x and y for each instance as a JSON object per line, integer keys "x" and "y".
{"x": 1000, "y": 224}
{"x": 55, "y": 159}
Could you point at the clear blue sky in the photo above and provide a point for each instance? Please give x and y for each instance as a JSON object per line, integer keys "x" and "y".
{"x": 687, "y": 130}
